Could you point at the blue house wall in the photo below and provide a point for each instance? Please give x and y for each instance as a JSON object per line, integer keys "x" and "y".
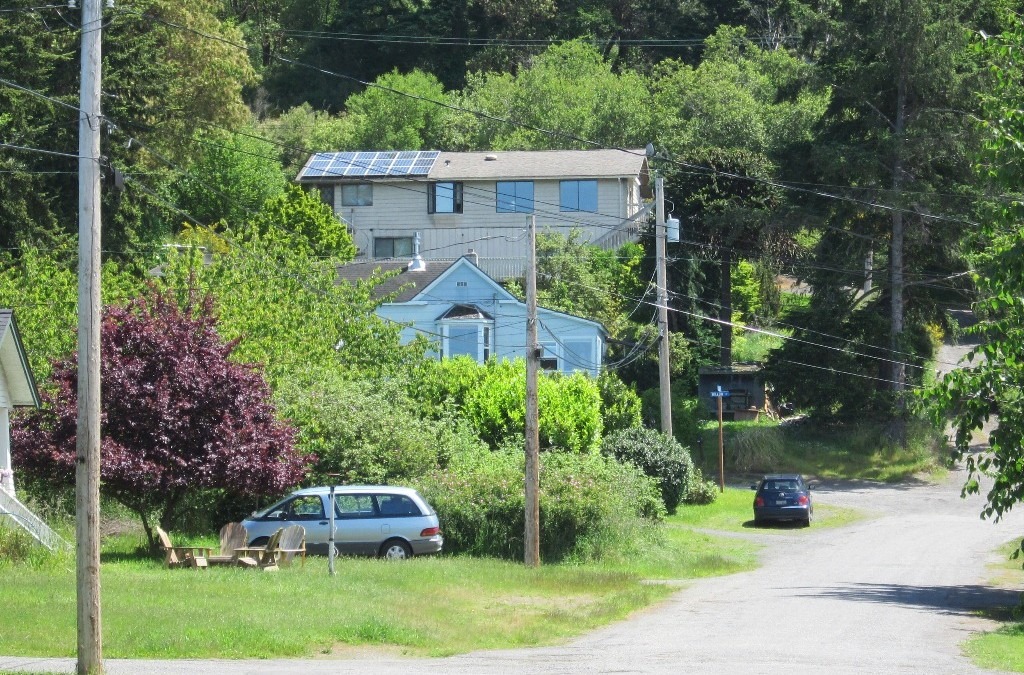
{"x": 444, "y": 313}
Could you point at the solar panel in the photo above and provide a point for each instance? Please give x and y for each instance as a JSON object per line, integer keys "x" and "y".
{"x": 375, "y": 164}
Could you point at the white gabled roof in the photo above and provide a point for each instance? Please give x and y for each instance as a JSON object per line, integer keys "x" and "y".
{"x": 21, "y": 385}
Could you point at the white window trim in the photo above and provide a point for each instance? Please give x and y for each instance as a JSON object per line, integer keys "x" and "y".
{"x": 482, "y": 349}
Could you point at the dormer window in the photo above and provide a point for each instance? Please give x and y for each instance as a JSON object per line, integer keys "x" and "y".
{"x": 466, "y": 330}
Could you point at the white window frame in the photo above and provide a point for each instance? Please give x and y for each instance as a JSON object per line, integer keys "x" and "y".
{"x": 484, "y": 337}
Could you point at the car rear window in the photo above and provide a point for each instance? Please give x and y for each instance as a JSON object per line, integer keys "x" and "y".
{"x": 397, "y": 505}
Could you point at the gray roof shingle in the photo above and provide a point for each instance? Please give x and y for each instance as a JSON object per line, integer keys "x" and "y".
{"x": 538, "y": 164}
{"x": 413, "y": 282}
{"x": 519, "y": 164}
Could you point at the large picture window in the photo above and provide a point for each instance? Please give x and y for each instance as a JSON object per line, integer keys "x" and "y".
{"x": 578, "y": 195}
{"x": 515, "y": 196}
{"x": 444, "y": 198}
{"x": 357, "y": 194}
{"x": 392, "y": 247}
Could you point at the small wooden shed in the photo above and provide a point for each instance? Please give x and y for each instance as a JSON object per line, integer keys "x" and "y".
{"x": 17, "y": 388}
{"x": 745, "y": 386}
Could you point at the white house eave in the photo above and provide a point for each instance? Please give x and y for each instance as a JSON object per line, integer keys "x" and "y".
{"x": 21, "y": 384}
{"x": 495, "y": 286}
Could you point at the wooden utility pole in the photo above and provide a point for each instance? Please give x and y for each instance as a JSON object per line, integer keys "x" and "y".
{"x": 532, "y": 531}
{"x": 664, "y": 379}
{"x": 87, "y": 472}
{"x": 721, "y": 446}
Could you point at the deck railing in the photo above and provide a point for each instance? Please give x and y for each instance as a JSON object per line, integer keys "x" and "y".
{"x": 20, "y": 515}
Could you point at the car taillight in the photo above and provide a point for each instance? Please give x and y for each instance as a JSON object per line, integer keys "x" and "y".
{"x": 430, "y": 532}
{"x": 802, "y": 500}
{"x": 759, "y": 501}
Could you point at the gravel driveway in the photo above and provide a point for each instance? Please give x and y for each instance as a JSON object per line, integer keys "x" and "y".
{"x": 894, "y": 593}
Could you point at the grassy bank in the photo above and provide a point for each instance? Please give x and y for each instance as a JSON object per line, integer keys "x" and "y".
{"x": 1003, "y": 649}
{"x": 861, "y": 451}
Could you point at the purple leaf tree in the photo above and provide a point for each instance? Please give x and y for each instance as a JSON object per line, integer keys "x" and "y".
{"x": 177, "y": 415}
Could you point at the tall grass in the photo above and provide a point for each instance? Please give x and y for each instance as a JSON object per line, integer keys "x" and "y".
{"x": 853, "y": 451}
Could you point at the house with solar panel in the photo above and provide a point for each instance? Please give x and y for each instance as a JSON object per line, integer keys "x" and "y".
{"x": 464, "y": 312}
{"x": 480, "y": 202}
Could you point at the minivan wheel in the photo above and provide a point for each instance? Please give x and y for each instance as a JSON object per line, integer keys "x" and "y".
{"x": 395, "y": 549}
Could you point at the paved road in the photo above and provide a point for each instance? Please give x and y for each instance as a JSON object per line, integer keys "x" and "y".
{"x": 891, "y": 594}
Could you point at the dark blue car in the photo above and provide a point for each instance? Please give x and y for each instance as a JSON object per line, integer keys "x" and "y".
{"x": 782, "y": 496}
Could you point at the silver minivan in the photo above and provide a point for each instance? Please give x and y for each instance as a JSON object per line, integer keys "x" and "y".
{"x": 370, "y": 520}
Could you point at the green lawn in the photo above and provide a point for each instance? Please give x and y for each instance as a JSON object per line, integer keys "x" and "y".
{"x": 425, "y": 606}
{"x": 1002, "y": 649}
{"x": 733, "y": 512}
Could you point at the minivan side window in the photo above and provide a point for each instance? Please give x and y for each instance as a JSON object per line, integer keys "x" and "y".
{"x": 355, "y": 506}
{"x": 306, "y": 507}
{"x": 397, "y": 505}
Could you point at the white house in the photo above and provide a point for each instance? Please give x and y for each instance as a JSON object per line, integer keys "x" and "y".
{"x": 17, "y": 388}
{"x": 480, "y": 201}
{"x": 463, "y": 311}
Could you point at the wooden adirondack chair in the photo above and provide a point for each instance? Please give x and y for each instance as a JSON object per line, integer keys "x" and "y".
{"x": 182, "y": 556}
{"x": 263, "y": 557}
{"x": 233, "y": 536}
{"x": 292, "y": 542}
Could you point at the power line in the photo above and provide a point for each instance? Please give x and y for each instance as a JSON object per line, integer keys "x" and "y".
{"x": 696, "y": 42}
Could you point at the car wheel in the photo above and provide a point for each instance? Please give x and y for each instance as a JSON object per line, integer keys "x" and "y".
{"x": 807, "y": 520}
{"x": 259, "y": 541}
{"x": 395, "y": 549}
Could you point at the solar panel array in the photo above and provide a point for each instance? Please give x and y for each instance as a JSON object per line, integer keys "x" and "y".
{"x": 369, "y": 164}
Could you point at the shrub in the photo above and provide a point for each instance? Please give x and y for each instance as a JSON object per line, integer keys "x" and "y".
{"x": 367, "y": 431}
{"x": 492, "y": 397}
{"x": 657, "y": 455}
{"x": 700, "y": 491}
{"x": 480, "y": 501}
{"x": 620, "y": 406}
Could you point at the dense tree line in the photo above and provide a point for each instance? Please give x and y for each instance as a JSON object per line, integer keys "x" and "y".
{"x": 834, "y": 142}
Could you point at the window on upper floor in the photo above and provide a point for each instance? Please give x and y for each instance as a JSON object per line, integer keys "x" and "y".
{"x": 515, "y": 196}
{"x": 392, "y": 247}
{"x": 578, "y": 195}
{"x": 357, "y": 194}
{"x": 326, "y": 194}
{"x": 444, "y": 198}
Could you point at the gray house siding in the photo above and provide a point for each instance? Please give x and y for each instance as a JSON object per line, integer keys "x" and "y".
{"x": 399, "y": 208}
